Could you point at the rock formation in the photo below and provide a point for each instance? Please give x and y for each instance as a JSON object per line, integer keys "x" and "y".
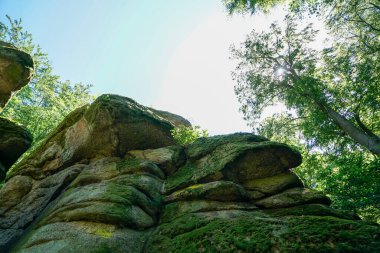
{"x": 110, "y": 178}
{"x": 14, "y": 141}
{"x": 16, "y": 69}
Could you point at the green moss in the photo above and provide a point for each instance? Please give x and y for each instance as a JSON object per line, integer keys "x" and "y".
{"x": 116, "y": 104}
{"x": 136, "y": 166}
{"x": 57, "y": 135}
{"x": 128, "y": 164}
{"x": 13, "y": 73}
{"x": 103, "y": 248}
{"x": 256, "y": 232}
{"x": 217, "y": 162}
{"x": 180, "y": 208}
{"x": 275, "y": 184}
{"x": 218, "y": 190}
{"x": 103, "y": 233}
{"x": 311, "y": 209}
{"x": 204, "y": 146}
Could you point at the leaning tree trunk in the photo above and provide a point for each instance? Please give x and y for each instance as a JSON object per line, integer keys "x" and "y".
{"x": 372, "y": 143}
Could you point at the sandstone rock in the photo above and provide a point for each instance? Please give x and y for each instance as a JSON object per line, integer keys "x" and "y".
{"x": 16, "y": 69}
{"x": 204, "y": 146}
{"x": 234, "y": 161}
{"x": 177, "y": 209}
{"x": 17, "y": 214}
{"x": 13, "y": 192}
{"x": 14, "y": 141}
{"x": 218, "y": 190}
{"x": 293, "y": 197}
{"x": 85, "y": 237}
{"x": 275, "y": 184}
{"x": 111, "y": 126}
{"x": 117, "y": 196}
{"x": 109, "y": 179}
{"x": 312, "y": 210}
{"x": 174, "y": 119}
{"x": 169, "y": 158}
{"x": 109, "y": 191}
{"x": 252, "y": 195}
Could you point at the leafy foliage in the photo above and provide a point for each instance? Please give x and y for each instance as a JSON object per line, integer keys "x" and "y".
{"x": 278, "y": 66}
{"x": 332, "y": 95}
{"x": 46, "y": 100}
{"x": 350, "y": 178}
{"x": 184, "y": 135}
{"x": 244, "y": 6}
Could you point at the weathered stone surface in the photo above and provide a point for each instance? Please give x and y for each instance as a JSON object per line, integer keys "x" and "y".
{"x": 255, "y": 231}
{"x": 204, "y": 146}
{"x": 177, "y": 209}
{"x": 174, "y": 119}
{"x": 169, "y": 158}
{"x": 116, "y": 194}
{"x": 109, "y": 179}
{"x": 85, "y": 237}
{"x": 14, "y": 141}
{"x": 218, "y": 190}
{"x": 111, "y": 126}
{"x": 275, "y": 184}
{"x": 13, "y": 192}
{"x": 234, "y": 161}
{"x": 293, "y": 197}
{"x": 312, "y": 210}
{"x": 29, "y": 199}
{"x": 110, "y": 192}
{"x": 16, "y": 70}
{"x": 252, "y": 195}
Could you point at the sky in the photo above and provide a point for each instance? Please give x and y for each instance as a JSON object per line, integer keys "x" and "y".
{"x": 172, "y": 55}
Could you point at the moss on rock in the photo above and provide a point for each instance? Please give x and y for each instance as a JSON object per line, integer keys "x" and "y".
{"x": 16, "y": 70}
{"x": 293, "y": 197}
{"x": 259, "y": 232}
{"x": 218, "y": 190}
{"x": 235, "y": 162}
{"x": 274, "y": 184}
{"x": 180, "y": 208}
{"x": 14, "y": 141}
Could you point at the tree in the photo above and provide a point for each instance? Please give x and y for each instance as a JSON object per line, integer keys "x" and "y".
{"x": 245, "y": 6}
{"x": 185, "y": 135}
{"x": 326, "y": 89}
{"x": 46, "y": 100}
{"x": 332, "y": 95}
{"x": 350, "y": 177}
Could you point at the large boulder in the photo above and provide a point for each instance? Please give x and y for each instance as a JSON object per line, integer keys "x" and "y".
{"x": 111, "y": 179}
{"x": 16, "y": 70}
{"x": 14, "y": 141}
{"x": 111, "y": 126}
{"x": 86, "y": 146}
{"x": 237, "y": 158}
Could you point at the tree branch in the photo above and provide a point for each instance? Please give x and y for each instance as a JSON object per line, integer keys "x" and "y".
{"x": 363, "y": 127}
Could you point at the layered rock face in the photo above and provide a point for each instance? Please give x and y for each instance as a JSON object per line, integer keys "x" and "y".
{"x": 111, "y": 179}
{"x": 16, "y": 69}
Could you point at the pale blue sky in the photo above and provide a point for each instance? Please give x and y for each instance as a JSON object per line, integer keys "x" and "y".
{"x": 169, "y": 54}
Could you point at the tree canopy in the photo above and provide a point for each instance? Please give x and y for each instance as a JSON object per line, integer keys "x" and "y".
{"x": 332, "y": 95}
{"x": 46, "y": 100}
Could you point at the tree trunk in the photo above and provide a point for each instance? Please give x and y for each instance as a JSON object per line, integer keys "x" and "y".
{"x": 372, "y": 143}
